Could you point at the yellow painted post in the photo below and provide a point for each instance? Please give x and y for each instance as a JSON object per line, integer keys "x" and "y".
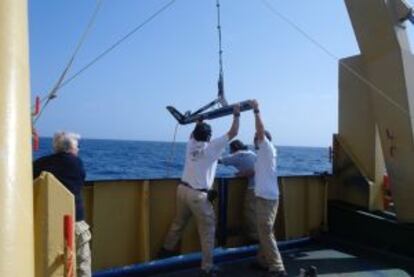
{"x": 283, "y": 202}
{"x": 145, "y": 222}
{"x": 16, "y": 191}
{"x": 325, "y": 203}
{"x": 52, "y": 201}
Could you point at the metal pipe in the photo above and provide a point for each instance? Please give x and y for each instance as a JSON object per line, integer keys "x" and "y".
{"x": 183, "y": 262}
{"x": 16, "y": 184}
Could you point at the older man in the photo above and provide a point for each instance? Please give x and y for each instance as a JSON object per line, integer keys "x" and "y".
{"x": 67, "y": 167}
{"x": 193, "y": 191}
{"x": 267, "y": 198}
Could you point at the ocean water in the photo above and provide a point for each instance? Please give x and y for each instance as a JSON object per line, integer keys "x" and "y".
{"x": 120, "y": 159}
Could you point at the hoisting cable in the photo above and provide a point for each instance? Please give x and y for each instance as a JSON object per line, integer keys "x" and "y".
{"x": 333, "y": 56}
{"x": 220, "y": 100}
{"x": 207, "y": 111}
{"x": 53, "y": 92}
{"x": 220, "y": 83}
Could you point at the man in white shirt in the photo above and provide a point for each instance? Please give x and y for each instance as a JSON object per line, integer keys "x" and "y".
{"x": 192, "y": 192}
{"x": 267, "y": 198}
{"x": 244, "y": 160}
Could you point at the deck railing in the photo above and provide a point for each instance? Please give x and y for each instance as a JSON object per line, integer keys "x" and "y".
{"x": 130, "y": 218}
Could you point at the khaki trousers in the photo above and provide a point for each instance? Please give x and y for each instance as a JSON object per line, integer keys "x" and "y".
{"x": 249, "y": 215}
{"x": 268, "y": 254}
{"x": 194, "y": 202}
{"x": 83, "y": 251}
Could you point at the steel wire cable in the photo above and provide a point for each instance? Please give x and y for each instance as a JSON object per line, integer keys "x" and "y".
{"x": 118, "y": 42}
{"x": 319, "y": 45}
{"x": 53, "y": 92}
{"x": 63, "y": 82}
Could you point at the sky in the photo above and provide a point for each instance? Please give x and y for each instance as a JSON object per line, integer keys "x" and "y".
{"x": 173, "y": 61}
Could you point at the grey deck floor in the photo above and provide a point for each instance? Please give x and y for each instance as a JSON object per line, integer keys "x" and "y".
{"x": 329, "y": 261}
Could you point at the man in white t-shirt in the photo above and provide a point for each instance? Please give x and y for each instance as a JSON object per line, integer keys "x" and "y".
{"x": 267, "y": 198}
{"x": 192, "y": 192}
{"x": 244, "y": 160}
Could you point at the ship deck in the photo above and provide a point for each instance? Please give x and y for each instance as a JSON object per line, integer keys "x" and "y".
{"x": 331, "y": 255}
{"x": 331, "y": 259}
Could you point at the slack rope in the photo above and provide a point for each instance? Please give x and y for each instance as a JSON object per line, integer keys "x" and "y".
{"x": 172, "y": 153}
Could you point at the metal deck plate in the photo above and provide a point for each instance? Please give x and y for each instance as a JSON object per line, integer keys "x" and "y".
{"x": 329, "y": 261}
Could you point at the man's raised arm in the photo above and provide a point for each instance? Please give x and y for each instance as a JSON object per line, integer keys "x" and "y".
{"x": 234, "y": 129}
{"x": 260, "y": 130}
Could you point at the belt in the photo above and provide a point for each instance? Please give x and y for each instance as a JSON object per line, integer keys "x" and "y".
{"x": 189, "y": 186}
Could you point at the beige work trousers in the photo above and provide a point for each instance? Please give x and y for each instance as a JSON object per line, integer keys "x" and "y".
{"x": 268, "y": 254}
{"x": 193, "y": 202}
{"x": 83, "y": 251}
{"x": 249, "y": 215}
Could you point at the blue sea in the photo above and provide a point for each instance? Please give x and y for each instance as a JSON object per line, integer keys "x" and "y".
{"x": 121, "y": 159}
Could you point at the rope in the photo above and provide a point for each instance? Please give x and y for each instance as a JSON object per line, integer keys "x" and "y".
{"x": 117, "y": 43}
{"x": 172, "y": 153}
{"x": 333, "y": 56}
{"x": 53, "y": 93}
{"x": 220, "y": 88}
{"x": 104, "y": 53}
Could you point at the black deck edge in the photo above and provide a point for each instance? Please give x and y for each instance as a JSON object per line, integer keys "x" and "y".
{"x": 372, "y": 229}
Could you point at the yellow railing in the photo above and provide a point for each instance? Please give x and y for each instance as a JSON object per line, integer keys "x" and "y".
{"x": 130, "y": 219}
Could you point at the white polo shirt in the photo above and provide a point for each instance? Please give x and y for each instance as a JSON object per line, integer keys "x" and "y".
{"x": 201, "y": 161}
{"x": 265, "y": 177}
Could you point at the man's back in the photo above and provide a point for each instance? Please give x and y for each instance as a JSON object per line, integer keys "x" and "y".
{"x": 242, "y": 160}
{"x": 265, "y": 171}
{"x": 201, "y": 161}
{"x": 68, "y": 169}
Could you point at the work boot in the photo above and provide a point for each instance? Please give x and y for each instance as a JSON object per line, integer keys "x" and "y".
{"x": 213, "y": 272}
{"x": 258, "y": 266}
{"x": 205, "y": 273}
{"x": 312, "y": 271}
{"x": 280, "y": 273}
{"x": 165, "y": 253}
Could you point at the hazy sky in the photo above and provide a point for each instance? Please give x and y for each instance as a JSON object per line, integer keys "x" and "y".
{"x": 173, "y": 61}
